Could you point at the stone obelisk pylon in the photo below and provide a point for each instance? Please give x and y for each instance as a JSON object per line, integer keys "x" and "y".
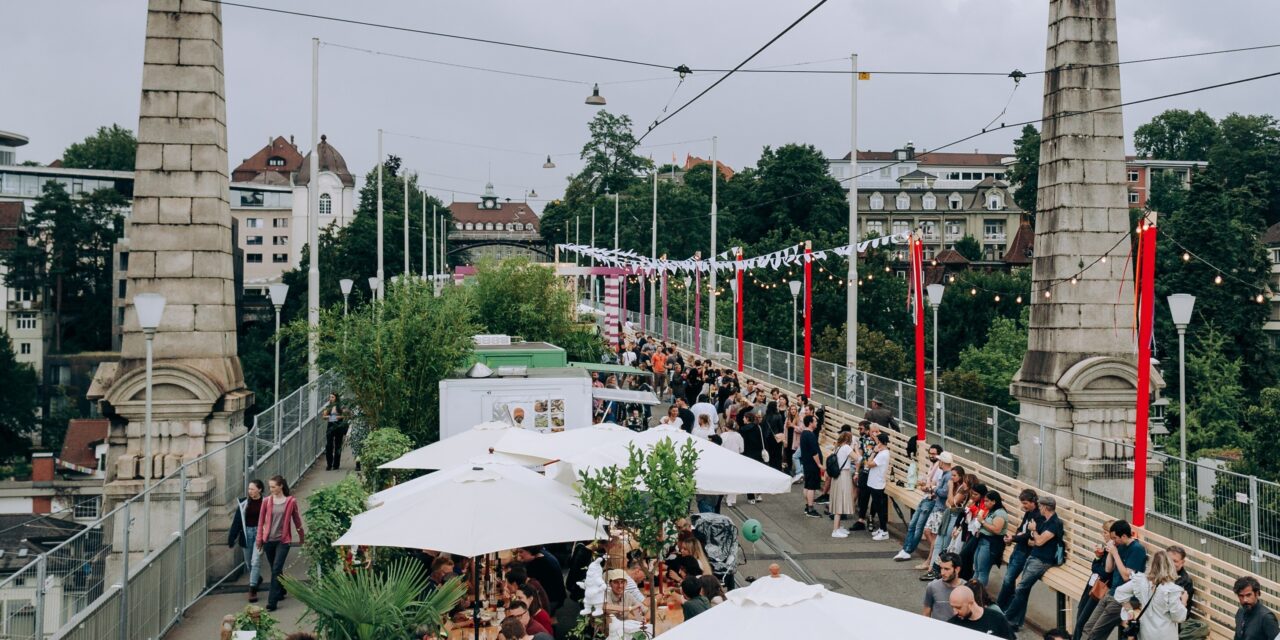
{"x": 1079, "y": 373}
{"x": 180, "y": 246}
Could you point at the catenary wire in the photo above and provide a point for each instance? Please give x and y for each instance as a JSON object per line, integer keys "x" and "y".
{"x": 726, "y": 76}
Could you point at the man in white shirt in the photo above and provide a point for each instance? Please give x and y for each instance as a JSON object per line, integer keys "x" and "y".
{"x": 877, "y": 480}
{"x": 704, "y": 407}
{"x": 629, "y": 356}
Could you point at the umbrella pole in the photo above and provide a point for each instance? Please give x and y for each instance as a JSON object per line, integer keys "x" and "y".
{"x": 475, "y": 602}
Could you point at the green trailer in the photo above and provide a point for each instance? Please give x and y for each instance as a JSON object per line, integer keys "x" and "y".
{"x": 534, "y": 355}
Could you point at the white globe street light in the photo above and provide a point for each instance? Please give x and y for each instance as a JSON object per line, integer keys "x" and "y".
{"x": 795, "y": 298}
{"x": 935, "y": 292}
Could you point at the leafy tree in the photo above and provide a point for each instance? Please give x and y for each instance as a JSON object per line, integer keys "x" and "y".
{"x": 521, "y": 298}
{"x": 970, "y": 248}
{"x": 1024, "y": 174}
{"x": 111, "y": 148}
{"x": 63, "y": 252}
{"x": 1216, "y": 409}
{"x": 969, "y": 306}
{"x": 1246, "y": 155}
{"x": 392, "y": 355}
{"x": 995, "y": 362}
{"x": 645, "y": 497}
{"x": 610, "y": 158}
{"x": 877, "y": 354}
{"x": 1176, "y": 134}
{"x": 788, "y": 188}
{"x": 1263, "y": 420}
{"x": 17, "y": 402}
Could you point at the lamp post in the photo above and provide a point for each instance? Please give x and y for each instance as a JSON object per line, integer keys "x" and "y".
{"x": 1180, "y": 307}
{"x": 279, "y": 292}
{"x": 374, "y": 285}
{"x": 150, "y": 308}
{"x": 935, "y": 292}
{"x": 345, "y": 284}
{"x": 795, "y": 299}
{"x": 380, "y": 163}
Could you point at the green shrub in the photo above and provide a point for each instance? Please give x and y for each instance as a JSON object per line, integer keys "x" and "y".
{"x": 380, "y": 447}
{"x": 328, "y": 516}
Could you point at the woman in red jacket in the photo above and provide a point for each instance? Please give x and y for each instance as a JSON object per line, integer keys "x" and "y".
{"x": 277, "y": 521}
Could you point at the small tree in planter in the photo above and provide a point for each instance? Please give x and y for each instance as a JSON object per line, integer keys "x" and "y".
{"x": 645, "y": 498}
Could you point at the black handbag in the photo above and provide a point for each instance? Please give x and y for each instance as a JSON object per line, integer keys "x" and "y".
{"x": 1134, "y": 627}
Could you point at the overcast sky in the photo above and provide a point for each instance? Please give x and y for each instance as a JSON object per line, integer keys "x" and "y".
{"x": 75, "y": 65}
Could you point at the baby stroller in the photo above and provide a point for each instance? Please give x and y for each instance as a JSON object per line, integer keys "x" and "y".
{"x": 719, "y": 538}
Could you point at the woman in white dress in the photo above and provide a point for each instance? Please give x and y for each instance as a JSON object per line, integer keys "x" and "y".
{"x": 842, "y": 498}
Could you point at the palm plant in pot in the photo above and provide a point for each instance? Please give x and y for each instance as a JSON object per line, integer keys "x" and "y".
{"x": 375, "y": 605}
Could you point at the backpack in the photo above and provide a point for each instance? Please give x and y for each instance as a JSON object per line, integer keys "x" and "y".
{"x": 833, "y": 465}
{"x": 1060, "y": 553}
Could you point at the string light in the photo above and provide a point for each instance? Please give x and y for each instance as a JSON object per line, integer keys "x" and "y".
{"x": 1186, "y": 257}
{"x": 1047, "y": 293}
{"x": 1260, "y": 299}
{"x": 1217, "y": 279}
{"x": 1018, "y": 300}
{"x": 1074, "y": 280}
{"x": 997, "y": 297}
{"x": 973, "y": 292}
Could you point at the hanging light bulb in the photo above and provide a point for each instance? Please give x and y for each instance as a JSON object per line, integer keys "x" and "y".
{"x": 886, "y": 269}
{"x": 1217, "y": 279}
{"x": 871, "y": 276}
{"x": 973, "y": 292}
{"x": 1103, "y": 260}
{"x": 997, "y": 297}
{"x": 1046, "y": 293}
{"x": 1074, "y": 280}
{"x": 1018, "y": 300}
{"x": 951, "y": 279}
{"x": 1260, "y": 299}
{"x": 1186, "y": 257}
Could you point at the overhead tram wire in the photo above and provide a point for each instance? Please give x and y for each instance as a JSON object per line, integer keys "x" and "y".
{"x": 453, "y": 64}
{"x": 1003, "y": 126}
{"x": 439, "y": 34}
{"x": 797, "y": 21}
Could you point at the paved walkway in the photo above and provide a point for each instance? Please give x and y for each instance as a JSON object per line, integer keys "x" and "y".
{"x": 204, "y": 620}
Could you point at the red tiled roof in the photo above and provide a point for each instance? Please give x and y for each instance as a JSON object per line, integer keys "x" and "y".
{"x": 951, "y": 256}
{"x": 1020, "y": 249}
{"x": 464, "y": 212}
{"x": 1272, "y": 235}
{"x": 10, "y": 219}
{"x": 691, "y": 161}
{"x": 82, "y": 436}
{"x": 257, "y": 163}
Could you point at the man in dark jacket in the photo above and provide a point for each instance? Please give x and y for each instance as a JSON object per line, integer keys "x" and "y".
{"x": 881, "y": 416}
{"x": 1254, "y": 621}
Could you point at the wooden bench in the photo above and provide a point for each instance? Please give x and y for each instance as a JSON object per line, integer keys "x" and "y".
{"x": 1215, "y": 603}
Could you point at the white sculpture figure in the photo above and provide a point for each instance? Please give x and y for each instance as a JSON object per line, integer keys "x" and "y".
{"x": 593, "y": 588}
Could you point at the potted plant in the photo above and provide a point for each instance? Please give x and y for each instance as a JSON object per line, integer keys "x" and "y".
{"x": 256, "y": 619}
{"x": 374, "y": 605}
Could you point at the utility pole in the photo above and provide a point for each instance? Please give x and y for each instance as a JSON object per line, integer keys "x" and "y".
{"x": 313, "y": 223}
{"x": 404, "y": 186}
{"x": 711, "y": 313}
{"x": 424, "y": 233}
{"x": 382, "y": 283}
{"x": 851, "y": 308}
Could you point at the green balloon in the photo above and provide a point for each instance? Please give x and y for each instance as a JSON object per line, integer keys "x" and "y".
{"x": 751, "y": 530}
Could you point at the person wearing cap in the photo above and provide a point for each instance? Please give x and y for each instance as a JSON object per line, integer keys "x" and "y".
{"x": 937, "y": 478}
{"x": 881, "y": 415}
{"x": 1044, "y": 538}
{"x": 618, "y": 602}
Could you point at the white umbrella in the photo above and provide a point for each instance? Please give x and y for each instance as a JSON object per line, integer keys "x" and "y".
{"x": 775, "y": 606}
{"x": 455, "y": 450}
{"x": 415, "y": 485}
{"x": 720, "y": 471}
{"x": 562, "y": 444}
{"x": 472, "y": 511}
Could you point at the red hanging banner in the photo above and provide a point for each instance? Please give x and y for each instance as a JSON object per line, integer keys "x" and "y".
{"x": 1146, "y": 285}
{"x": 739, "y": 310}
{"x": 808, "y": 313}
{"x": 916, "y": 291}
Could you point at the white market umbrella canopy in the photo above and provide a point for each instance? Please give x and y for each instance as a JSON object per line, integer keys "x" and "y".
{"x": 562, "y": 444}
{"x": 458, "y": 449}
{"x": 472, "y": 511}
{"x": 775, "y": 606}
{"x": 720, "y": 471}
{"x": 431, "y": 479}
